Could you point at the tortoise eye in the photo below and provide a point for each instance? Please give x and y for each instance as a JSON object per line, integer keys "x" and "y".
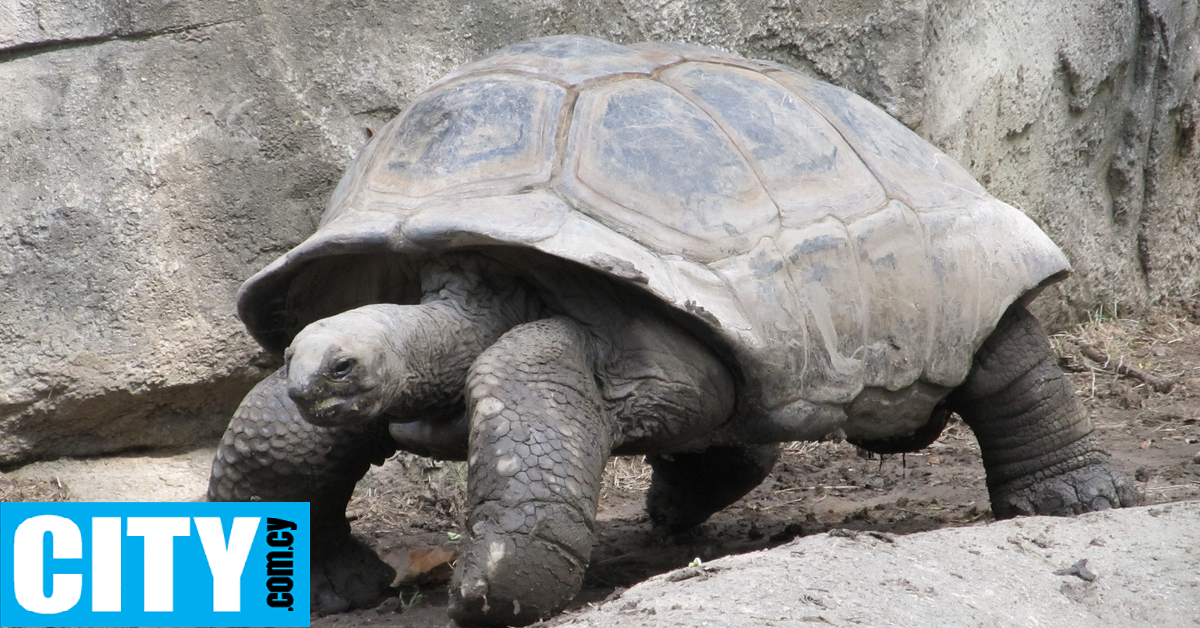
{"x": 341, "y": 368}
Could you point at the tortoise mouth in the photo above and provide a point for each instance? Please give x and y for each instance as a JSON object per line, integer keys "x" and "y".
{"x": 336, "y": 410}
{"x": 330, "y": 412}
{"x": 327, "y": 404}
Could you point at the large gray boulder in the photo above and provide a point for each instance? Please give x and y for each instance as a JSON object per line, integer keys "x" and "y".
{"x": 156, "y": 154}
{"x": 1082, "y": 572}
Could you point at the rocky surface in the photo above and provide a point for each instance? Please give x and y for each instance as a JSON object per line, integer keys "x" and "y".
{"x": 154, "y": 154}
{"x": 1087, "y": 571}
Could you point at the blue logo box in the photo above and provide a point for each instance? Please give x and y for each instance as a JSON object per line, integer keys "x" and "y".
{"x": 154, "y": 564}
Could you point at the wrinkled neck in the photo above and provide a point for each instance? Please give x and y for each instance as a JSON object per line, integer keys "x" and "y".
{"x": 431, "y": 346}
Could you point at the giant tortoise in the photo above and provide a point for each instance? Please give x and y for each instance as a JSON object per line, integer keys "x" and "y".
{"x": 573, "y": 249}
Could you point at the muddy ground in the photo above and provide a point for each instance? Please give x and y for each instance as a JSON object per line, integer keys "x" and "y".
{"x": 1139, "y": 379}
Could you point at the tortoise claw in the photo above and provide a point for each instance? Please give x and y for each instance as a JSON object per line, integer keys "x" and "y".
{"x": 1087, "y": 489}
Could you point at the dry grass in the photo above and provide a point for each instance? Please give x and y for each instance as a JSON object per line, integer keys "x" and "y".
{"x": 625, "y": 474}
{"x": 805, "y": 447}
{"x": 1140, "y": 353}
{"x": 410, "y": 488}
{"x": 14, "y": 489}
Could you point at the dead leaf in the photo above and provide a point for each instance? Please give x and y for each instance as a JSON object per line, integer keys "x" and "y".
{"x": 427, "y": 564}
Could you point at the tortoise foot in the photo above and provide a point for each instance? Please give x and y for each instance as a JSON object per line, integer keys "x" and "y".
{"x": 518, "y": 578}
{"x": 348, "y": 575}
{"x": 1094, "y": 487}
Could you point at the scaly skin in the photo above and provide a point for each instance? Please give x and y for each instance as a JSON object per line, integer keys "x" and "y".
{"x": 1039, "y": 451}
{"x": 409, "y": 361}
{"x": 539, "y": 441}
{"x": 270, "y": 453}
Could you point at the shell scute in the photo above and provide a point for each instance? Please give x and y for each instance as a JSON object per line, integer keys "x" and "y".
{"x": 910, "y": 169}
{"x": 894, "y": 267}
{"x": 809, "y": 170}
{"x": 696, "y": 52}
{"x": 476, "y": 132}
{"x": 650, "y": 163}
{"x": 455, "y": 223}
{"x": 823, "y": 266}
{"x": 959, "y": 292}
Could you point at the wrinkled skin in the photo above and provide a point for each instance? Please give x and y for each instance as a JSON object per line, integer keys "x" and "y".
{"x": 536, "y": 392}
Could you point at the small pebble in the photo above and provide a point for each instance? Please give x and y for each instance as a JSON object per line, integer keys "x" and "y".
{"x": 390, "y": 605}
{"x": 1079, "y": 570}
{"x": 684, "y": 574}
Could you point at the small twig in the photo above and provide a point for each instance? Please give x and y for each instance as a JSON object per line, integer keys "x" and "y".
{"x": 621, "y": 558}
{"x": 787, "y": 503}
{"x": 1176, "y": 487}
{"x": 1103, "y": 359}
{"x": 815, "y": 488}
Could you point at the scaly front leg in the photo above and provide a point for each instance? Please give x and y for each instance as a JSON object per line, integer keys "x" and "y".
{"x": 539, "y": 441}
{"x": 270, "y": 453}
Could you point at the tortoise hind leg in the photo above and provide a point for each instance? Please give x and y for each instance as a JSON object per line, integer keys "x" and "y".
{"x": 1039, "y": 451}
{"x": 270, "y": 453}
{"x": 687, "y": 488}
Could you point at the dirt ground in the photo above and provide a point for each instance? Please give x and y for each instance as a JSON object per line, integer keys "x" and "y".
{"x": 1139, "y": 379}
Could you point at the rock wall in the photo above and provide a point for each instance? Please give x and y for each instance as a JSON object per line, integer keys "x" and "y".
{"x": 1084, "y": 118}
{"x": 155, "y": 153}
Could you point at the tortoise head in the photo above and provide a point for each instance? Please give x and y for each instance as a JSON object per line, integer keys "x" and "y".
{"x": 337, "y": 369}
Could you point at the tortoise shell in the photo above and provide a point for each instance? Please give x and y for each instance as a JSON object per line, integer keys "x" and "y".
{"x": 824, "y": 245}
